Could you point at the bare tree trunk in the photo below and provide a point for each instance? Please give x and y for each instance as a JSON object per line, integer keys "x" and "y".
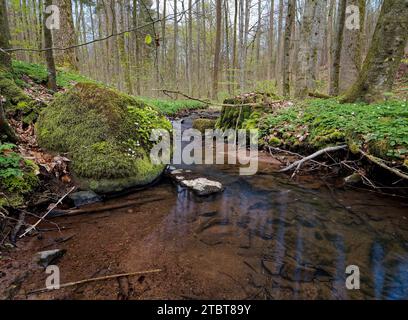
{"x": 307, "y": 57}
{"x": 227, "y": 45}
{"x": 175, "y": 38}
{"x": 350, "y": 62}
{"x": 66, "y": 37}
{"x": 49, "y": 56}
{"x": 387, "y": 49}
{"x": 217, "y": 49}
{"x": 290, "y": 20}
{"x": 234, "y": 46}
{"x": 278, "y": 65}
{"x": 5, "y": 59}
{"x": 190, "y": 48}
{"x": 338, "y": 43}
{"x": 271, "y": 42}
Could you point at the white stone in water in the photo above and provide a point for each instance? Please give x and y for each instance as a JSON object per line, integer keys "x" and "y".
{"x": 178, "y": 171}
{"x": 203, "y": 186}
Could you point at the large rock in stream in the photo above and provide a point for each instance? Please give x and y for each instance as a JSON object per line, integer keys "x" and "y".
{"x": 200, "y": 185}
{"x": 106, "y": 135}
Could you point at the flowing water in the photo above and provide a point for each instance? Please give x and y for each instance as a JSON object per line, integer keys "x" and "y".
{"x": 264, "y": 237}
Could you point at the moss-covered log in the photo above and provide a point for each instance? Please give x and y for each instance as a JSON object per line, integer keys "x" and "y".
{"x": 384, "y": 56}
{"x": 234, "y": 116}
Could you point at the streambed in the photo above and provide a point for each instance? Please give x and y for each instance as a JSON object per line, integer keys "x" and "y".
{"x": 263, "y": 237}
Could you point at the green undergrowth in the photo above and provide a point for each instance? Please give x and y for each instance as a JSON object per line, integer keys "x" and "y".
{"x": 171, "y": 107}
{"x": 105, "y": 133}
{"x": 381, "y": 129}
{"x": 38, "y": 73}
{"x": 17, "y": 176}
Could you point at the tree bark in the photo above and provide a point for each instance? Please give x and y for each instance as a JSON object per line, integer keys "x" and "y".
{"x": 66, "y": 37}
{"x": 5, "y": 59}
{"x": 384, "y": 56}
{"x": 350, "y": 64}
{"x": 217, "y": 49}
{"x": 49, "y": 55}
{"x": 290, "y": 20}
{"x": 338, "y": 43}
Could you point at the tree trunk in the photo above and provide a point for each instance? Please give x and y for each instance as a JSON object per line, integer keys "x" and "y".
{"x": 175, "y": 57}
{"x": 217, "y": 49}
{"x": 338, "y": 44}
{"x": 5, "y": 59}
{"x": 271, "y": 43}
{"x": 350, "y": 64}
{"x": 384, "y": 56}
{"x": 278, "y": 65}
{"x": 234, "y": 47}
{"x": 307, "y": 57}
{"x": 65, "y": 37}
{"x": 290, "y": 20}
{"x": 49, "y": 56}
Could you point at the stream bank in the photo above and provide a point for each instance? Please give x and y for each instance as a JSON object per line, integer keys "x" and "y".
{"x": 264, "y": 237}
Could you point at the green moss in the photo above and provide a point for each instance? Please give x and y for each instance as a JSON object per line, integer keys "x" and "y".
{"x": 10, "y": 91}
{"x": 382, "y": 129}
{"x": 106, "y": 133}
{"x": 17, "y": 176}
{"x": 38, "y": 73}
{"x": 203, "y": 124}
{"x": 171, "y": 107}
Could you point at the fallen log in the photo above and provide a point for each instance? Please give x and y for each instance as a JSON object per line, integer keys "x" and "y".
{"x": 298, "y": 164}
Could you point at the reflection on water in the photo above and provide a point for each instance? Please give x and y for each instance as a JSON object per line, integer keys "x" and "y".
{"x": 296, "y": 241}
{"x": 281, "y": 240}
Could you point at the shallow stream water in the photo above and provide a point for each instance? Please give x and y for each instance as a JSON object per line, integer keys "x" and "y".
{"x": 264, "y": 237}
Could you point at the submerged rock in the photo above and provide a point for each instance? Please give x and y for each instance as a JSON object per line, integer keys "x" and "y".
{"x": 202, "y": 186}
{"x": 82, "y": 198}
{"x": 106, "y": 134}
{"x": 45, "y": 258}
{"x": 199, "y": 185}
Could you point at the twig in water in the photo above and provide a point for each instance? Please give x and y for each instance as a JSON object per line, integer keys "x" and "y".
{"x": 42, "y": 218}
{"x": 113, "y": 276}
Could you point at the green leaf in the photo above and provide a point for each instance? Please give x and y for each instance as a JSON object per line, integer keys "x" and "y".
{"x": 148, "y": 39}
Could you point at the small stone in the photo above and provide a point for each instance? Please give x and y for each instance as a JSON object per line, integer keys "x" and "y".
{"x": 352, "y": 179}
{"x": 45, "y": 258}
{"x": 82, "y": 198}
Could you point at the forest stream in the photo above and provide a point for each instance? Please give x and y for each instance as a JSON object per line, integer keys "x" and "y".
{"x": 264, "y": 237}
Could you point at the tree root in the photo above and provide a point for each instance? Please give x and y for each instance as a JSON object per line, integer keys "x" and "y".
{"x": 381, "y": 163}
{"x": 298, "y": 164}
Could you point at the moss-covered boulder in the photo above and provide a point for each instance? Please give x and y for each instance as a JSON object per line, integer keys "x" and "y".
{"x": 106, "y": 135}
{"x": 202, "y": 124}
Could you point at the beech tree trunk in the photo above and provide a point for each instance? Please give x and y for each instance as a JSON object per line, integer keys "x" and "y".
{"x": 66, "y": 37}
{"x": 290, "y": 20}
{"x": 49, "y": 56}
{"x": 217, "y": 49}
{"x": 338, "y": 43}
{"x": 5, "y": 60}
{"x": 384, "y": 56}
